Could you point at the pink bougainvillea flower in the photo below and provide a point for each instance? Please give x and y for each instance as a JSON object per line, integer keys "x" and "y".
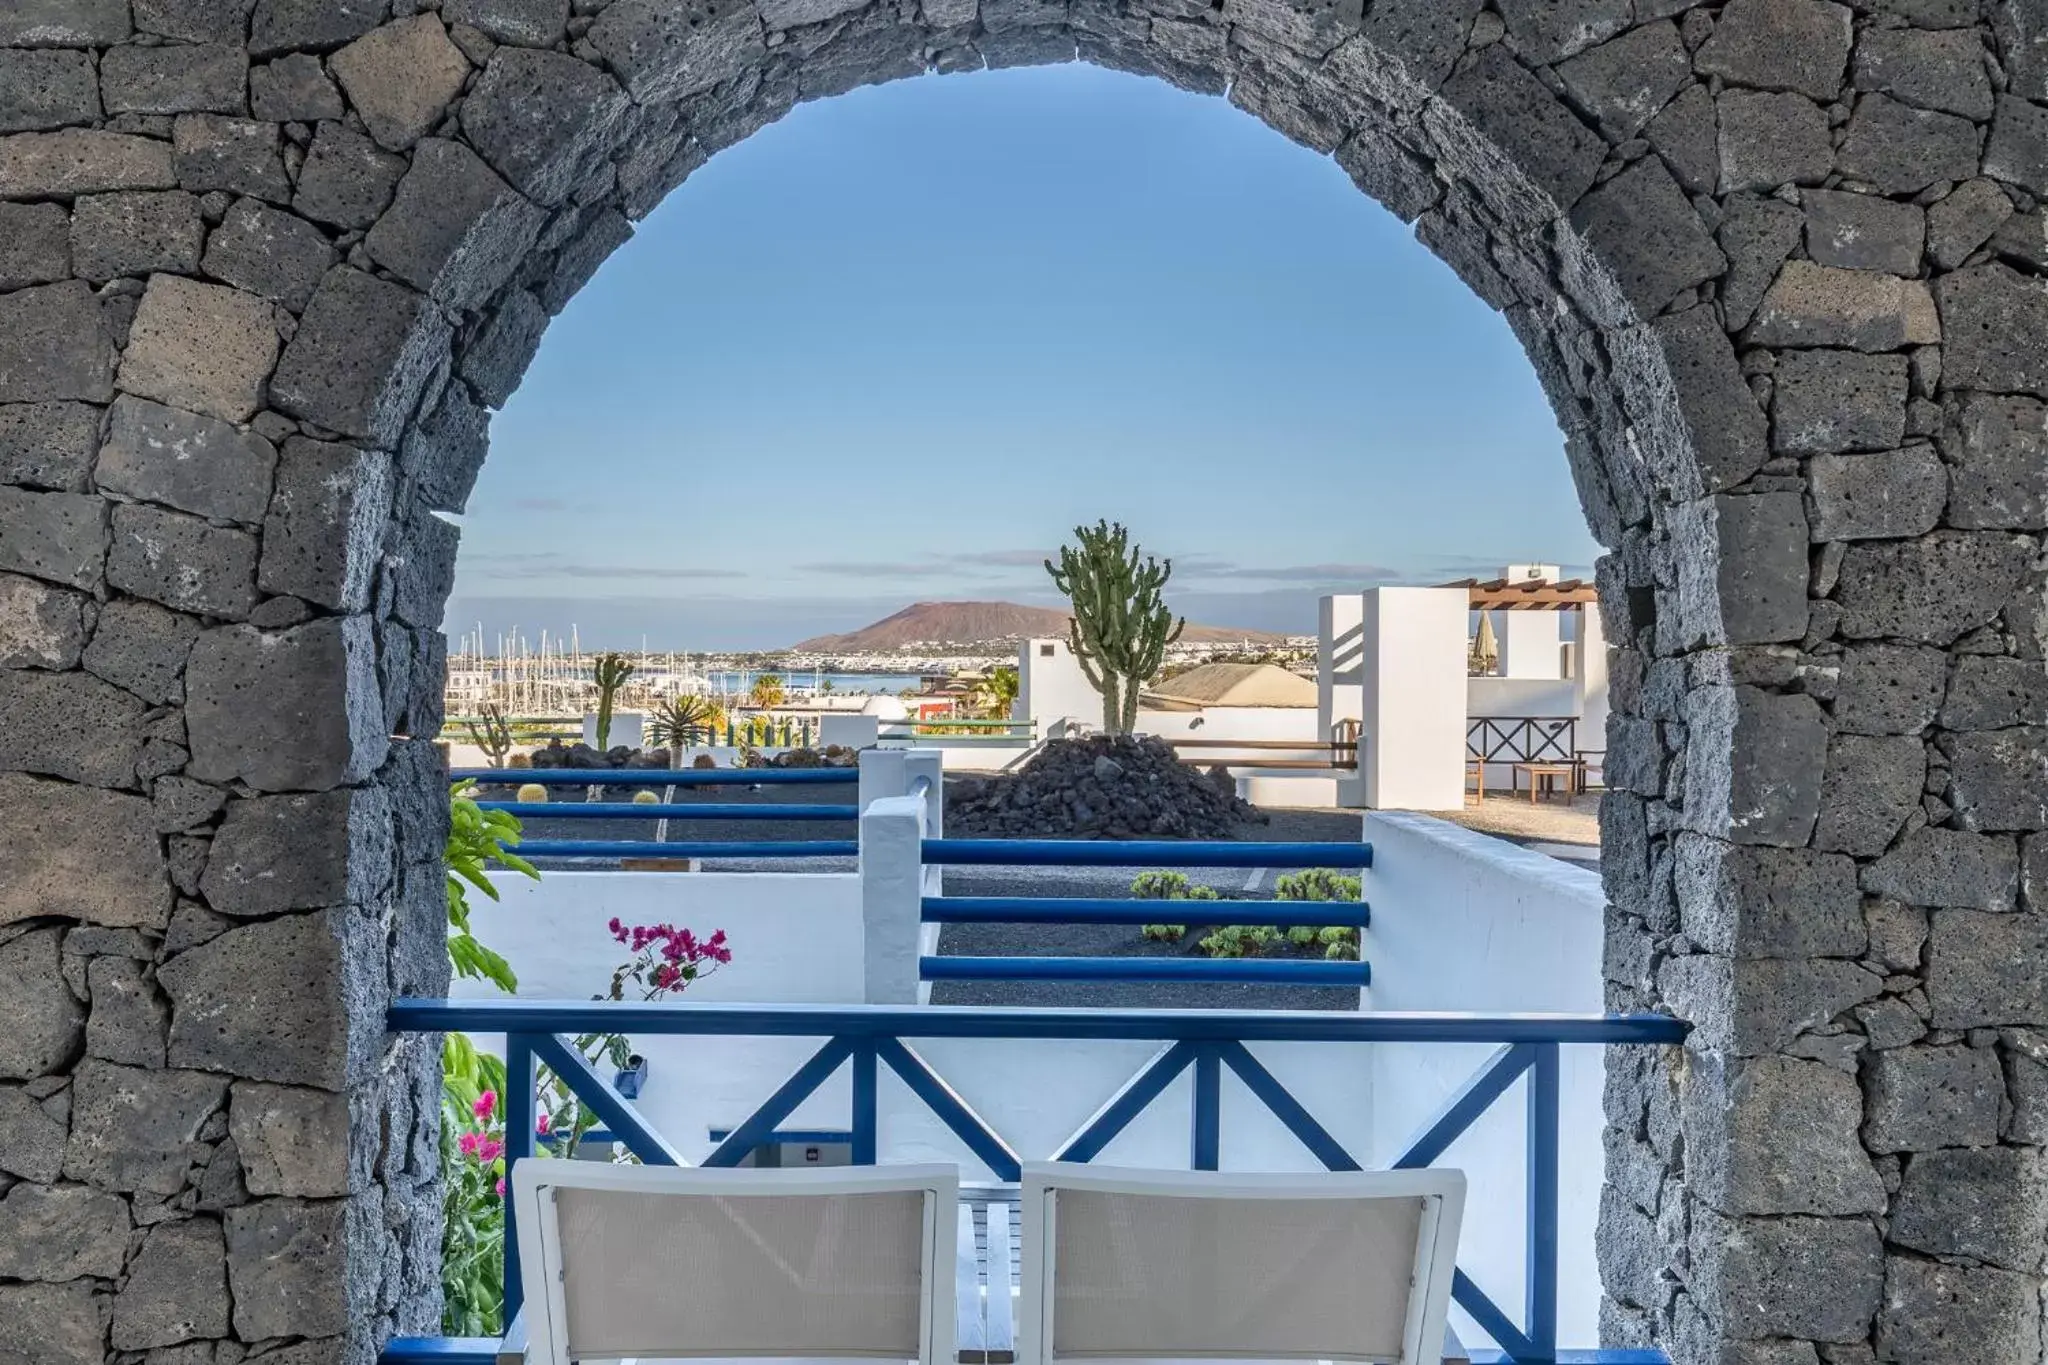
{"x": 468, "y": 1143}
{"x": 501, "y": 1187}
{"x": 485, "y": 1104}
{"x": 489, "y": 1150}
{"x": 540, "y": 1125}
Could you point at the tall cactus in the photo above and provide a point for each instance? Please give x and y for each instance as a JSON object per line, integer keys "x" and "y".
{"x": 491, "y": 732}
{"x": 610, "y": 673}
{"x": 1121, "y": 626}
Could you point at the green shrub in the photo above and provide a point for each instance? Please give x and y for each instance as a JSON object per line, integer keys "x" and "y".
{"x": 1239, "y": 940}
{"x": 1317, "y": 884}
{"x": 1302, "y": 936}
{"x": 1169, "y": 886}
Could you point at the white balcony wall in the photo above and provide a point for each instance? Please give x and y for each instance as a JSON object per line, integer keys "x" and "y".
{"x": 1461, "y": 922}
{"x": 796, "y": 938}
{"x": 1464, "y": 922}
{"x": 1495, "y": 696}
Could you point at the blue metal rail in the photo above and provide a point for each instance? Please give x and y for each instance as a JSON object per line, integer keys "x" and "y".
{"x": 859, "y": 1022}
{"x": 708, "y": 810}
{"x": 1141, "y": 853}
{"x": 1243, "y": 971}
{"x": 1110, "y": 910}
{"x": 1209, "y": 1043}
{"x": 659, "y": 777}
{"x": 634, "y": 848}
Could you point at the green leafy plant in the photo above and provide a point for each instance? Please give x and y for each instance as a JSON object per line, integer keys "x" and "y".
{"x": 1121, "y": 626}
{"x": 1165, "y": 933}
{"x": 478, "y": 840}
{"x": 472, "y": 1197}
{"x": 768, "y": 691}
{"x": 610, "y": 673}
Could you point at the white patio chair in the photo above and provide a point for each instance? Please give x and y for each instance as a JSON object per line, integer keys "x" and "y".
{"x": 660, "y": 1263}
{"x": 1178, "y": 1265}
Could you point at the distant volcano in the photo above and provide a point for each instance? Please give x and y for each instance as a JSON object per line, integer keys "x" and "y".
{"x": 983, "y": 623}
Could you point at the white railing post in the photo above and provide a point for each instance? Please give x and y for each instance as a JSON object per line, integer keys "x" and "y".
{"x": 892, "y": 891}
{"x": 881, "y": 774}
{"x": 929, "y": 765}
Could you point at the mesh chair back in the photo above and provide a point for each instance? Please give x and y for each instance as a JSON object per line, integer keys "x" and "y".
{"x": 751, "y": 1269}
{"x": 1146, "y": 1275}
{"x": 1203, "y": 1273}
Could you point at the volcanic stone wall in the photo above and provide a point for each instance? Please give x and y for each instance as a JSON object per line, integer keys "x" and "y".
{"x": 266, "y": 265}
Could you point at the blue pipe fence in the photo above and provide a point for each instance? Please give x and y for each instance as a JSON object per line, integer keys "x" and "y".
{"x": 660, "y": 777}
{"x": 1207, "y": 1042}
{"x": 673, "y": 777}
{"x": 1149, "y": 853}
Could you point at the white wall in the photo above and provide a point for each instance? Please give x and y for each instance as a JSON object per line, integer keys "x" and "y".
{"x": 1340, "y": 660}
{"x": 1465, "y": 922}
{"x": 795, "y": 938}
{"x": 854, "y": 732}
{"x": 799, "y": 938}
{"x": 1051, "y": 686}
{"x": 790, "y": 932}
{"x": 1530, "y": 644}
{"x": 1236, "y": 722}
{"x": 1592, "y": 657}
{"x": 1461, "y": 922}
{"x": 1496, "y": 696}
{"x": 1414, "y": 698}
{"x": 626, "y": 728}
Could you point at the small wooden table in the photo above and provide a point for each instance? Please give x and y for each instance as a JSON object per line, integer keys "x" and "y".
{"x": 1543, "y": 777}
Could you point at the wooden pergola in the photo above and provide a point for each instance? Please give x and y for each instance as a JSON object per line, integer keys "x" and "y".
{"x": 1505, "y": 594}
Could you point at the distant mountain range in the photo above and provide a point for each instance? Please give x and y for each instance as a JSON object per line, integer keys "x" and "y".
{"x": 974, "y": 623}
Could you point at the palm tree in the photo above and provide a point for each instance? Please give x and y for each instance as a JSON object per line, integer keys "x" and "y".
{"x": 997, "y": 693}
{"x": 680, "y": 720}
{"x": 768, "y": 692}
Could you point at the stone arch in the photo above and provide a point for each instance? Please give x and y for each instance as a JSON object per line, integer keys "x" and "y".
{"x": 1778, "y": 264}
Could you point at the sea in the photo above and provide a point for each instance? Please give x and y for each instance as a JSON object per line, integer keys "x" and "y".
{"x": 740, "y": 680}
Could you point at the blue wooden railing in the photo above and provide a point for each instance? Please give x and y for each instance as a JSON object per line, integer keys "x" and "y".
{"x": 1160, "y": 853}
{"x": 1208, "y": 1043}
{"x": 673, "y": 777}
{"x": 660, "y": 777}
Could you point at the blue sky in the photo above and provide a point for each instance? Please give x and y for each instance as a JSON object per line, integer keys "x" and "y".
{"x": 893, "y": 347}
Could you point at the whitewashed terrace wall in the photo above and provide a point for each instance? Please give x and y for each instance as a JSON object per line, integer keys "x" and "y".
{"x": 1460, "y": 922}
{"x": 1465, "y": 922}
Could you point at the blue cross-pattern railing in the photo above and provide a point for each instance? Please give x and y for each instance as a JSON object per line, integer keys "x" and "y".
{"x": 1161, "y": 853}
{"x": 668, "y": 810}
{"x": 1208, "y": 1043}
